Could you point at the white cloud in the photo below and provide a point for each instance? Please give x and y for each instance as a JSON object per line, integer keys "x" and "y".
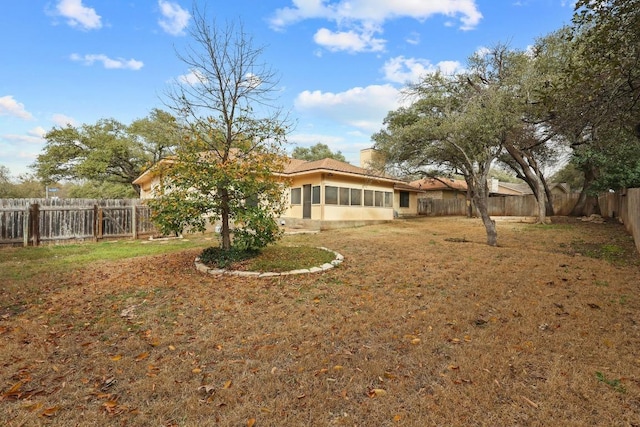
{"x": 363, "y": 108}
{"x": 377, "y": 11}
{"x": 192, "y": 78}
{"x": 107, "y": 62}
{"x": 11, "y": 107}
{"x": 63, "y": 120}
{"x": 309, "y": 139}
{"x": 414, "y": 38}
{"x": 410, "y": 70}
{"x": 79, "y": 15}
{"x": 351, "y": 41}
{"x": 174, "y": 18}
{"x": 37, "y": 132}
{"x": 23, "y": 139}
{"x": 358, "y": 21}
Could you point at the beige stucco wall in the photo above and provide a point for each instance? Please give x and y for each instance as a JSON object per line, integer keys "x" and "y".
{"x": 324, "y": 212}
{"x": 413, "y": 204}
{"x": 146, "y": 188}
{"x": 339, "y": 212}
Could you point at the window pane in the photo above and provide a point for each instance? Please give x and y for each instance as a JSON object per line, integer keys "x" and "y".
{"x": 296, "y": 196}
{"x": 330, "y": 195}
{"x": 368, "y": 197}
{"x": 344, "y": 196}
{"x": 379, "y": 198}
{"x": 315, "y": 195}
{"x": 404, "y": 199}
{"x": 388, "y": 199}
{"x": 356, "y": 197}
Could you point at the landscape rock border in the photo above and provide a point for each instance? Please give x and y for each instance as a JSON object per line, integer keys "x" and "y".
{"x": 220, "y": 271}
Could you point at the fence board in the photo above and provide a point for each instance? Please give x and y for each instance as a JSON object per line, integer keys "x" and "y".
{"x": 497, "y": 206}
{"x": 32, "y": 221}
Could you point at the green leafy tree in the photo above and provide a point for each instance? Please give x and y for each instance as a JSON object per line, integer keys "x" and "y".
{"x": 226, "y": 168}
{"x": 107, "y": 151}
{"x": 571, "y": 175}
{"x": 6, "y": 183}
{"x": 99, "y": 190}
{"x": 316, "y": 152}
{"x": 157, "y": 134}
{"x": 595, "y": 99}
{"x": 457, "y": 125}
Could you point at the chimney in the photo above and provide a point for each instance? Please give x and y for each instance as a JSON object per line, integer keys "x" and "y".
{"x": 494, "y": 188}
{"x": 371, "y": 159}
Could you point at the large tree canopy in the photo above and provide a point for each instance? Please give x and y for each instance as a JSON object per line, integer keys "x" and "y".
{"x": 107, "y": 151}
{"x": 593, "y": 94}
{"x": 226, "y": 167}
{"x": 316, "y": 152}
{"x": 457, "y": 124}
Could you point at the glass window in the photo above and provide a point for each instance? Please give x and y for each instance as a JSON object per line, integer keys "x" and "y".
{"x": 368, "y": 197}
{"x": 379, "y": 198}
{"x": 315, "y": 195}
{"x": 344, "y": 196}
{"x": 388, "y": 199}
{"x": 356, "y": 197}
{"x": 330, "y": 195}
{"x": 404, "y": 199}
{"x": 296, "y": 196}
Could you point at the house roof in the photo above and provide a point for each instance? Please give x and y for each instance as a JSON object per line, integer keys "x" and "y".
{"x": 295, "y": 167}
{"x": 403, "y": 186}
{"x": 514, "y": 188}
{"x": 298, "y": 167}
{"x": 440, "y": 184}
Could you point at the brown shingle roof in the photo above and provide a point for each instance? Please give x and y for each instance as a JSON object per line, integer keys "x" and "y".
{"x": 296, "y": 167}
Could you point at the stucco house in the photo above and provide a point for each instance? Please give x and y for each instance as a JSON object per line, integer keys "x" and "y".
{"x": 328, "y": 193}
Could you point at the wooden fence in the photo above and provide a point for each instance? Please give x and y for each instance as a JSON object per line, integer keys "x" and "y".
{"x": 498, "y": 206}
{"x": 624, "y": 205}
{"x": 31, "y": 222}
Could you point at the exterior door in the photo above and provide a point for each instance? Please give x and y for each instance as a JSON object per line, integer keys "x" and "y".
{"x": 306, "y": 201}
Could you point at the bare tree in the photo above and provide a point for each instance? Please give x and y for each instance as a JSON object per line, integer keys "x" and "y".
{"x": 226, "y": 167}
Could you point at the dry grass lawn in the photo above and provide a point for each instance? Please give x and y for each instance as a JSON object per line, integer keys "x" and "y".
{"x": 423, "y": 324}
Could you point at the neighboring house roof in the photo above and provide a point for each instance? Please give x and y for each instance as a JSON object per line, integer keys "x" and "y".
{"x": 523, "y": 189}
{"x": 440, "y": 184}
{"x": 510, "y": 188}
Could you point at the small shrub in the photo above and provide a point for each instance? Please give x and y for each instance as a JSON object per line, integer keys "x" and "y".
{"x": 221, "y": 258}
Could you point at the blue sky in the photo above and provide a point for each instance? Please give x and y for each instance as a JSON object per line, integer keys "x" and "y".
{"x": 341, "y": 62}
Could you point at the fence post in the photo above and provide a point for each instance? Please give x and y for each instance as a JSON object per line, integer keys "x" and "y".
{"x": 134, "y": 222}
{"x": 25, "y": 226}
{"x": 34, "y": 224}
{"x": 100, "y": 223}
{"x": 97, "y": 222}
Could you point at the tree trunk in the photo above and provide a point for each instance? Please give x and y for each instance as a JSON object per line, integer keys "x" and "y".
{"x": 581, "y": 208}
{"x": 489, "y": 224}
{"x": 542, "y": 199}
{"x": 532, "y": 178}
{"x": 225, "y": 232}
{"x": 550, "y": 209}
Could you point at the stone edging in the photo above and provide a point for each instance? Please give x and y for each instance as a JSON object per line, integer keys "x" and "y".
{"x": 220, "y": 271}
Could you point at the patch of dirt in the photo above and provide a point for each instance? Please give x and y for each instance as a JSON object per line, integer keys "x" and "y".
{"x": 411, "y": 329}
